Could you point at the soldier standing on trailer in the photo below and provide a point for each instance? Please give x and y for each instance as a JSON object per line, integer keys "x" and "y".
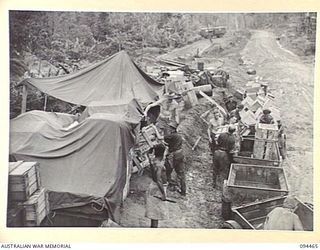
{"x": 266, "y": 118}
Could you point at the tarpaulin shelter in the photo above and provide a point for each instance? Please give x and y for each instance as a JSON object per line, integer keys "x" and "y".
{"x": 87, "y": 165}
{"x": 82, "y": 167}
{"x": 116, "y": 78}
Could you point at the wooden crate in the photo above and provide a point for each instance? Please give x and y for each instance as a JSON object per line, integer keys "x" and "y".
{"x": 240, "y": 94}
{"x": 36, "y": 208}
{"x": 191, "y": 94}
{"x": 256, "y": 105}
{"x": 150, "y": 136}
{"x": 253, "y": 215}
{"x": 248, "y": 101}
{"x": 248, "y": 117}
{"x": 248, "y": 183}
{"x": 266, "y": 150}
{"x": 24, "y": 180}
{"x": 267, "y": 131}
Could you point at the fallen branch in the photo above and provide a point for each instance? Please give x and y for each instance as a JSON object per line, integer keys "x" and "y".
{"x": 213, "y": 102}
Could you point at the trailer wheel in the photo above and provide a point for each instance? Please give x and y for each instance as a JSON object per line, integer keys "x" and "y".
{"x": 231, "y": 224}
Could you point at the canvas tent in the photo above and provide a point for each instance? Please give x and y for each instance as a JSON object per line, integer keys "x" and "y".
{"x": 86, "y": 168}
{"x": 85, "y": 165}
{"x": 115, "y": 79}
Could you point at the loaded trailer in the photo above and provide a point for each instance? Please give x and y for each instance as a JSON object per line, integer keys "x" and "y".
{"x": 253, "y": 215}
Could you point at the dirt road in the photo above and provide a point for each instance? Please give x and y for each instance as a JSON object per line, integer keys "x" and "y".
{"x": 188, "y": 51}
{"x": 291, "y": 82}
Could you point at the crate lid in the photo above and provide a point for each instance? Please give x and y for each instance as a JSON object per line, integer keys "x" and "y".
{"x": 22, "y": 168}
{"x": 14, "y": 165}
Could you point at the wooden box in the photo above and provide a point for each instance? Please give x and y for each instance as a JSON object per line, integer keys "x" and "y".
{"x": 248, "y": 117}
{"x": 150, "y": 135}
{"x": 240, "y": 94}
{"x": 36, "y": 208}
{"x": 191, "y": 94}
{"x": 248, "y": 183}
{"x": 253, "y": 215}
{"x": 24, "y": 180}
{"x": 267, "y": 131}
{"x": 256, "y": 105}
{"x": 266, "y": 150}
{"x": 248, "y": 101}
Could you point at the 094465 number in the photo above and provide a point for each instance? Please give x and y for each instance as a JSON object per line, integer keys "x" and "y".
{"x": 308, "y": 246}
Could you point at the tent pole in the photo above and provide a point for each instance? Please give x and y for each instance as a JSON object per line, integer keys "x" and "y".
{"x": 24, "y": 99}
{"x": 166, "y": 85}
{"x": 45, "y": 102}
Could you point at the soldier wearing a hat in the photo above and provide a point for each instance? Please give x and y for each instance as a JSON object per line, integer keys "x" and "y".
{"x": 229, "y": 102}
{"x": 236, "y": 112}
{"x": 175, "y": 156}
{"x": 223, "y": 155}
{"x": 266, "y": 118}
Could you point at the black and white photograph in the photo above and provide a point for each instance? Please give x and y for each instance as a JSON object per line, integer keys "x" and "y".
{"x": 192, "y": 120}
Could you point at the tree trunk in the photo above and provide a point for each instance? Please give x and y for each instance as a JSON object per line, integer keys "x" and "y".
{"x": 24, "y": 99}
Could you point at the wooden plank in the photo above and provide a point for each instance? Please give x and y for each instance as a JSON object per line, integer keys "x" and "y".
{"x": 271, "y": 151}
{"x": 14, "y": 165}
{"x": 213, "y": 102}
{"x": 259, "y": 149}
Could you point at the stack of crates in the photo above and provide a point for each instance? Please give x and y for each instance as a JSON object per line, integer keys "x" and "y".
{"x": 26, "y": 198}
{"x": 266, "y": 142}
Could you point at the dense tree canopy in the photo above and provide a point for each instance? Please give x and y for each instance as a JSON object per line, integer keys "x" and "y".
{"x": 47, "y": 43}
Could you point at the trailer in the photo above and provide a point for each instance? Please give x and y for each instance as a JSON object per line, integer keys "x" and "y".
{"x": 246, "y": 154}
{"x": 249, "y": 183}
{"x": 253, "y": 215}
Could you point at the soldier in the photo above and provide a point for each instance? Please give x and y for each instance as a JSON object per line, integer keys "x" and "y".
{"x": 223, "y": 155}
{"x": 266, "y": 118}
{"x": 156, "y": 207}
{"x": 236, "y": 113}
{"x": 215, "y": 121}
{"x": 230, "y": 103}
{"x": 175, "y": 156}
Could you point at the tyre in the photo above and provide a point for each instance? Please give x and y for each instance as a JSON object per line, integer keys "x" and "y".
{"x": 231, "y": 224}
